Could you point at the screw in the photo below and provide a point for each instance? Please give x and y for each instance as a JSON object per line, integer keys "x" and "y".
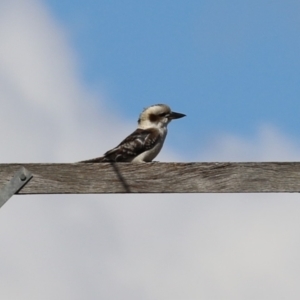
{"x": 23, "y": 177}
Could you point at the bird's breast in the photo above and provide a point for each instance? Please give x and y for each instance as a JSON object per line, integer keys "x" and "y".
{"x": 150, "y": 154}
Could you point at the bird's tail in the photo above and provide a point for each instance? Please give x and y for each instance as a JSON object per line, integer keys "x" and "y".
{"x": 96, "y": 160}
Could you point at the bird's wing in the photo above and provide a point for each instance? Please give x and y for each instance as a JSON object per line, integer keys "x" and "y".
{"x": 136, "y": 143}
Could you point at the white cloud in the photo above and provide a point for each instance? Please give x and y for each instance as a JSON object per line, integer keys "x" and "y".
{"x": 269, "y": 144}
{"x": 126, "y": 246}
{"x": 41, "y": 93}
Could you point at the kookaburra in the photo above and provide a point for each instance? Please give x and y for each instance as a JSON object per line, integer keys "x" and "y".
{"x": 144, "y": 144}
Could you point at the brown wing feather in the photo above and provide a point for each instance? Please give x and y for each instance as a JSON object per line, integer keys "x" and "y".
{"x": 136, "y": 143}
{"x": 139, "y": 141}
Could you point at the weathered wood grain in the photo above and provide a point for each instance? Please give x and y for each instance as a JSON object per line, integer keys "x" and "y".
{"x": 158, "y": 178}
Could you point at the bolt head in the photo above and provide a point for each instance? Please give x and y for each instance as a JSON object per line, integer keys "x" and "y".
{"x": 23, "y": 177}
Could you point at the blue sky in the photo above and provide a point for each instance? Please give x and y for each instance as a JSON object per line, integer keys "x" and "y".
{"x": 229, "y": 65}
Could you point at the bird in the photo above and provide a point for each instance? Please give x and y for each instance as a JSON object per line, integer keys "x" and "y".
{"x": 144, "y": 144}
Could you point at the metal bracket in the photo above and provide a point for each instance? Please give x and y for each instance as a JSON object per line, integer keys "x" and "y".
{"x": 20, "y": 178}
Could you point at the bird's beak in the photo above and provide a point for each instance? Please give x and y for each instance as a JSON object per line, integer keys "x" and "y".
{"x": 175, "y": 115}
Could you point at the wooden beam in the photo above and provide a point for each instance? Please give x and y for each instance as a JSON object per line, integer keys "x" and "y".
{"x": 256, "y": 177}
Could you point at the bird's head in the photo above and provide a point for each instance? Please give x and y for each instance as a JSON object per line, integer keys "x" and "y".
{"x": 158, "y": 115}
